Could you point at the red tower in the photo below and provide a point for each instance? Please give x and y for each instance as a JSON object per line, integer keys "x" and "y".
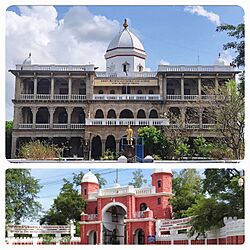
{"x": 89, "y": 184}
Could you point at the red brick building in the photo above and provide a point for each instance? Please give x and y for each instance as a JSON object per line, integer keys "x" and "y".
{"x": 124, "y": 214}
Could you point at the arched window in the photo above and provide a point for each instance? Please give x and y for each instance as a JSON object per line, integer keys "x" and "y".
{"x": 100, "y": 92}
{"x": 158, "y": 201}
{"x": 140, "y": 68}
{"x": 159, "y": 183}
{"x": 143, "y": 206}
{"x": 112, "y": 92}
{"x": 151, "y": 92}
{"x": 99, "y": 114}
{"x": 139, "y": 92}
{"x": 141, "y": 114}
{"x": 153, "y": 114}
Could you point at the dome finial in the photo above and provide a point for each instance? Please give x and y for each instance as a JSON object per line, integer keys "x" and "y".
{"x": 125, "y": 24}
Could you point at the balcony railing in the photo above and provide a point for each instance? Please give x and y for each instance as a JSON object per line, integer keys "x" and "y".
{"x": 60, "y": 125}
{"x": 51, "y": 67}
{"x": 92, "y": 217}
{"x": 195, "y": 68}
{"x": 42, "y": 126}
{"x": 127, "y": 75}
{"x": 56, "y": 97}
{"x": 145, "y": 190}
{"x": 127, "y": 97}
{"x": 192, "y": 97}
{"x": 138, "y": 214}
{"x": 116, "y": 122}
{"x": 125, "y": 122}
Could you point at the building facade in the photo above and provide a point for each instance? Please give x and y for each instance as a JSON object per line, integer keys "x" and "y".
{"x": 124, "y": 214}
{"x": 87, "y": 111}
{"x": 129, "y": 215}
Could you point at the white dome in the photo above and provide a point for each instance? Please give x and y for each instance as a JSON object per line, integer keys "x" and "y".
{"x": 125, "y": 39}
{"x": 163, "y": 170}
{"x": 90, "y": 177}
{"x": 27, "y": 61}
{"x": 219, "y": 61}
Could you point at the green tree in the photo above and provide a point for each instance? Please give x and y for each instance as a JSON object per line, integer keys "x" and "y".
{"x": 151, "y": 137}
{"x": 238, "y": 45}
{"x": 67, "y": 206}
{"x": 138, "y": 179}
{"x": 8, "y": 138}
{"x": 156, "y": 143}
{"x": 187, "y": 188}
{"x": 182, "y": 148}
{"x": 207, "y": 214}
{"x": 21, "y": 194}
{"x": 237, "y": 32}
{"x": 228, "y": 111}
{"x": 77, "y": 178}
{"x": 201, "y": 147}
{"x": 223, "y": 198}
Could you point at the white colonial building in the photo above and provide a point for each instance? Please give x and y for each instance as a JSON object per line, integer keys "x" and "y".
{"x": 89, "y": 110}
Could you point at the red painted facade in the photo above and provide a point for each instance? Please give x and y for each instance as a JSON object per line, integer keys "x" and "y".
{"x": 139, "y": 208}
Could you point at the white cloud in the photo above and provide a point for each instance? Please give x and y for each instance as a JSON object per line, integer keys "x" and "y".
{"x": 200, "y": 11}
{"x": 79, "y": 38}
{"x": 163, "y": 62}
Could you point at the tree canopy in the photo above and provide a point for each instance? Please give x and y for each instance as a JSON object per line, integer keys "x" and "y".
{"x": 21, "y": 196}
{"x": 237, "y": 32}
{"x": 67, "y": 206}
{"x": 138, "y": 179}
{"x": 187, "y": 189}
{"x": 222, "y": 197}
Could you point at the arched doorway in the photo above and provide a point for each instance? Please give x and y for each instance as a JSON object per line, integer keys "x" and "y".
{"x": 96, "y": 148}
{"x": 92, "y": 238}
{"x": 139, "y": 237}
{"x": 110, "y": 143}
{"x": 113, "y": 224}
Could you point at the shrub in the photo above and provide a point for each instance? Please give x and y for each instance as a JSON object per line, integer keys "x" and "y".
{"x": 37, "y": 150}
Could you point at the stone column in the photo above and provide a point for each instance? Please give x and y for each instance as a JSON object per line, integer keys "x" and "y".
{"x": 18, "y": 87}
{"x": 51, "y": 116}
{"x": 35, "y": 86}
{"x": 216, "y": 84}
{"x": 13, "y": 146}
{"x": 182, "y": 87}
{"x": 117, "y": 144}
{"x": 89, "y": 86}
{"x": 165, "y": 87}
{"x": 103, "y": 145}
{"x": 70, "y": 87}
{"x": 34, "y": 111}
{"x": 69, "y": 112}
{"x": 161, "y": 86}
{"x": 17, "y": 117}
{"x": 183, "y": 116}
{"x": 52, "y": 86}
{"x": 200, "y": 117}
{"x": 199, "y": 87}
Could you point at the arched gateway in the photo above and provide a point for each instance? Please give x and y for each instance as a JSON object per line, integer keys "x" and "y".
{"x": 113, "y": 223}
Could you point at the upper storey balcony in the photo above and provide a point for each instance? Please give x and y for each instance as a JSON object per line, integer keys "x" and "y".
{"x": 81, "y": 82}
